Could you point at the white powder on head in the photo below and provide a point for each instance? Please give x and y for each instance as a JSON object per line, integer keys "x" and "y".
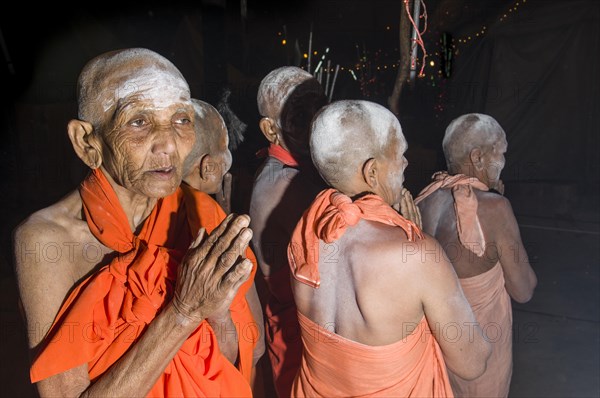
{"x": 470, "y": 131}
{"x": 158, "y": 87}
{"x": 345, "y": 134}
{"x": 132, "y": 73}
{"x": 276, "y": 87}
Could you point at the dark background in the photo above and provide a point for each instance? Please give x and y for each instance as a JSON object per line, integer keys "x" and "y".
{"x": 533, "y": 65}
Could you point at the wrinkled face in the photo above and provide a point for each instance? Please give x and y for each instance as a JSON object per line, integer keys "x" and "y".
{"x": 148, "y": 130}
{"x": 494, "y": 162}
{"x": 392, "y": 166}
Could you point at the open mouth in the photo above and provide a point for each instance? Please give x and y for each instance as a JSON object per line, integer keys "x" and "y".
{"x": 163, "y": 173}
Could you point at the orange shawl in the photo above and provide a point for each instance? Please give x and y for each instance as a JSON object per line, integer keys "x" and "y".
{"x": 469, "y": 229}
{"x": 109, "y": 311}
{"x": 330, "y": 214}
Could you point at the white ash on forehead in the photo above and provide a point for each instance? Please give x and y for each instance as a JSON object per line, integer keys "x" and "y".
{"x": 116, "y": 75}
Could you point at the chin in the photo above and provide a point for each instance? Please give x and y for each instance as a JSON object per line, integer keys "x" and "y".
{"x": 158, "y": 191}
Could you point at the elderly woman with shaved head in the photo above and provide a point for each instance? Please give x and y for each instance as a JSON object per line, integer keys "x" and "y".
{"x": 379, "y": 305}
{"x": 151, "y": 290}
{"x": 465, "y": 210}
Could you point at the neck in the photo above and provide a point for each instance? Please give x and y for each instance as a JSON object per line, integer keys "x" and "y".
{"x": 136, "y": 207}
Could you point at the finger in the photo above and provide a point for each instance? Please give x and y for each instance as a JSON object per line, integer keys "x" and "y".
{"x": 227, "y": 178}
{"x": 238, "y": 275}
{"x": 237, "y": 236}
{"x": 219, "y": 231}
{"x": 232, "y": 255}
{"x": 199, "y": 238}
{"x": 404, "y": 206}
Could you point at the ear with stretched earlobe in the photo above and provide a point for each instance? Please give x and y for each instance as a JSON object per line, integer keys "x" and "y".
{"x": 475, "y": 156}
{"x": 85, "y": 143}
{"x": 207, "y": 167}
{"x": 370, "y": 173}
{"x": 269, "y": 130}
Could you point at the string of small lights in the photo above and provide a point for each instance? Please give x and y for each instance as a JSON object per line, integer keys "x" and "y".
{"x": 371, "y": 66}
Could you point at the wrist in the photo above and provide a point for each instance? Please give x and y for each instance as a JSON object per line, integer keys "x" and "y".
{"x": 220, "y": 318}
{"x": 182, "y": 314}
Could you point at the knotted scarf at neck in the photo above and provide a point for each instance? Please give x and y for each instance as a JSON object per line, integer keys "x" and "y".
{"x": 144, "y": 259}
{"x": 469, "y": 229}
{"x": 327, "y": 219}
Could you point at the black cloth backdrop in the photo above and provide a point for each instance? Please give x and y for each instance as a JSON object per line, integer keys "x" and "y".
{"x": 537, "y": 74}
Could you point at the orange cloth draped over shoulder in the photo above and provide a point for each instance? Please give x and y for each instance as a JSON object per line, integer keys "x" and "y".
{"x": 107, "y": 313}
{"x": 335, "y": 366}
{"x": 470, "y": 233}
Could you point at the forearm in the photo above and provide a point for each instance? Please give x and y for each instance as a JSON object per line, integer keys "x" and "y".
{"x": 226, "y": 335}
{"x": 137, "y": 371}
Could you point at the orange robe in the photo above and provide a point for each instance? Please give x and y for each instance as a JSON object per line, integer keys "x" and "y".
{"x": 335, "y": 366}
{"x": 485, "y": 292}
{"x": 492, "y": 308}
{"x": 109, "y": 311}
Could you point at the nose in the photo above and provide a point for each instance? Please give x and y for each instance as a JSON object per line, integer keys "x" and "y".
{"x": 164, "y": 140}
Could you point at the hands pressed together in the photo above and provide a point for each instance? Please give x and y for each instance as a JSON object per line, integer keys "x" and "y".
{"x": 213, "y": 270}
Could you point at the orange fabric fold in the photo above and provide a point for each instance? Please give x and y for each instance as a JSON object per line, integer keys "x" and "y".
{"x": 330, "y": 214}
{"x": 282, "y": 331}
{"x": 469, "y": 229}
{"x": 492, "y": 308}
{"x": 106, "y": 313}
{"x": 333, "y": 366}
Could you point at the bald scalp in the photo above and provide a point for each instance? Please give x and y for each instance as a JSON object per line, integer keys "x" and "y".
{"x": 346, "y": 134}
{"x": 467, "y": 132}
{"x": 276, "y": 87}
{"x": 112, "y": 77}
{"x": 211, "y": 133}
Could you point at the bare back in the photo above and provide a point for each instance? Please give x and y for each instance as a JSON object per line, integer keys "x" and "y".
{"x": 54, "y": 250}
{"x": 502, "y": 237}
{"x": 376, "y": 286}
{"x": 439, "y": 220}
{"x": 368, "y": 292}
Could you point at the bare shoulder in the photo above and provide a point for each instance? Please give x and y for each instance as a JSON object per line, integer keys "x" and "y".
{"x": 493, "y": 201}
{"x": 418, "y": 256}
{"x": 44, "y": 253}
{"x": 49, "y": 225}
{"x": 495, "y": 211}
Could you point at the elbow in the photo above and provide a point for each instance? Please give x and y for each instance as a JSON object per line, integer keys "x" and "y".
{"x": 525, "y": 294}
{"x": 476, "y": 364}
{"x": 523, "y": 297}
